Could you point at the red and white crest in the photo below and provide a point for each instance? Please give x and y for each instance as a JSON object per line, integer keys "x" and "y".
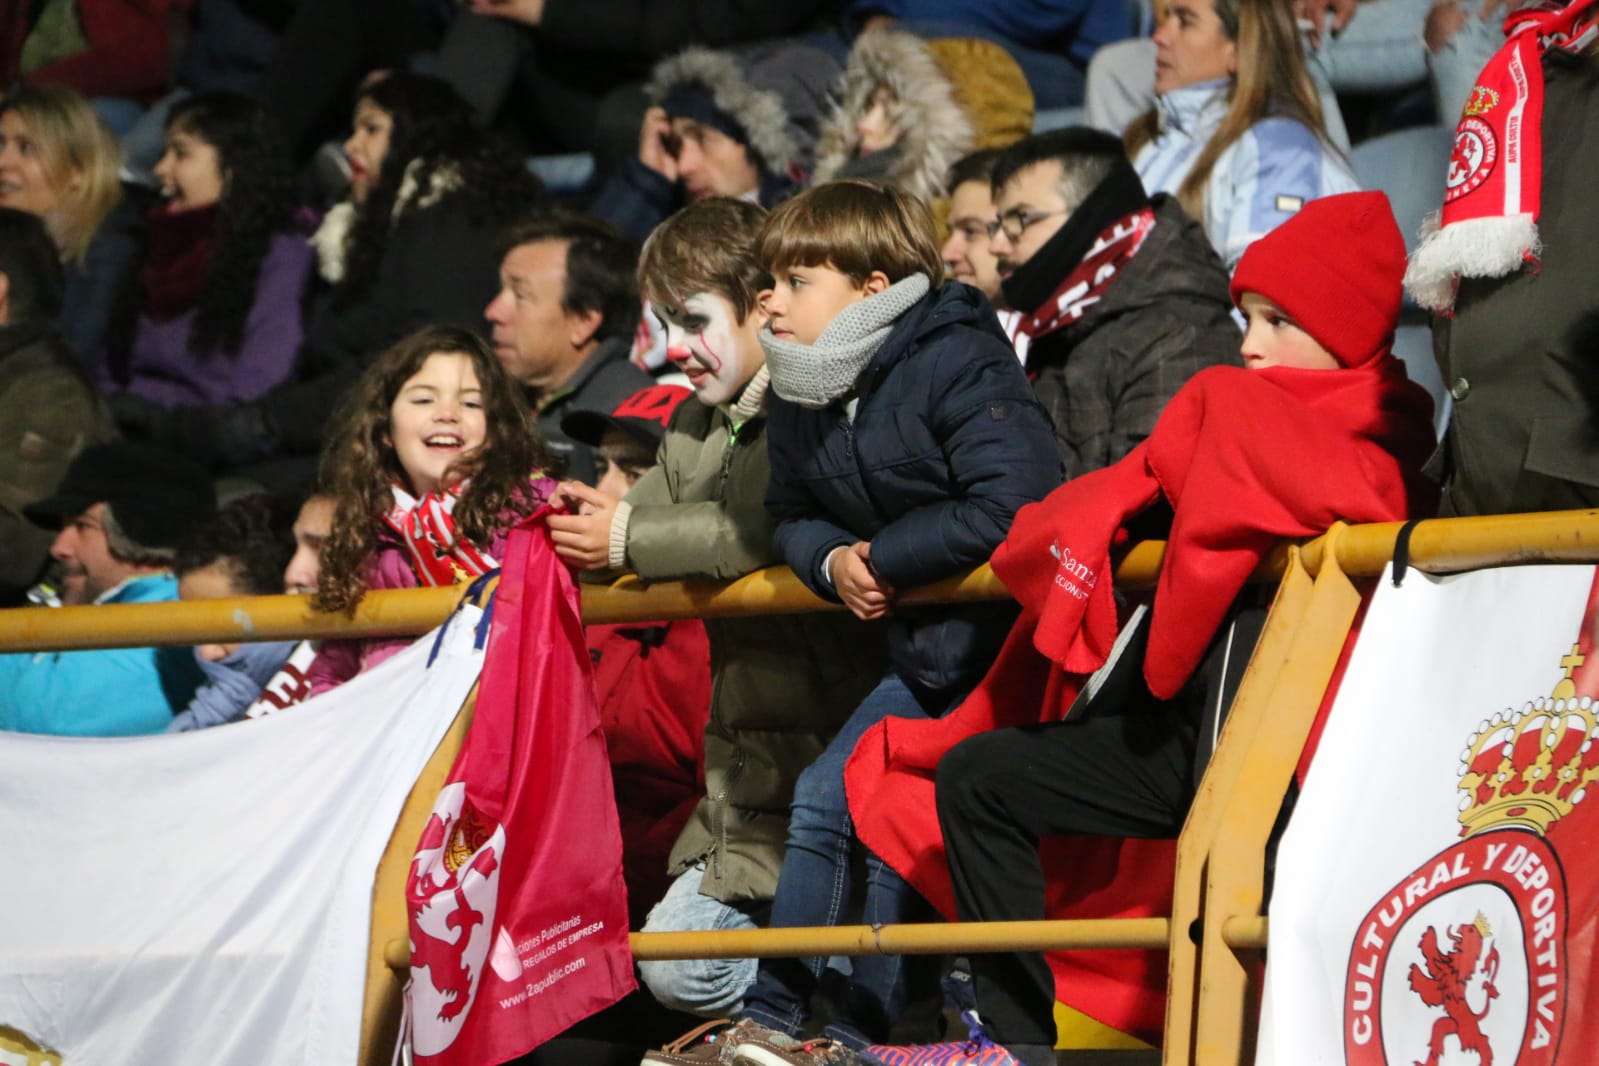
{"x": 452, "y": 894}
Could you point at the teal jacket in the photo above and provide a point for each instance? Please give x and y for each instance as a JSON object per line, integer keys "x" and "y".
{"x": 117, "y": 692}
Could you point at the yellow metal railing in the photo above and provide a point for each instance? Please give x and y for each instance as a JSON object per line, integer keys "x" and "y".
{"x": 1213, "y": 986}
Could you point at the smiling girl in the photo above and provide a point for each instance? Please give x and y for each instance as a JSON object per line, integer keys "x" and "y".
{"x": 436, "y": 459}
{"x": 219, "y": 317}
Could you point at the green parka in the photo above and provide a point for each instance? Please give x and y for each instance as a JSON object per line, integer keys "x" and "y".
{"x": 781, "y": 684}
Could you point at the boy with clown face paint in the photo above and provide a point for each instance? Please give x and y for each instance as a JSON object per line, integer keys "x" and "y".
{"x": 782, "y": 684}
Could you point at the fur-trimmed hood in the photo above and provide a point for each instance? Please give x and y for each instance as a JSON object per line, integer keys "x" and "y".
{"x": 935, "y": 131}
{"x": 332, "y": 236}
{"x": 776, "y": 93}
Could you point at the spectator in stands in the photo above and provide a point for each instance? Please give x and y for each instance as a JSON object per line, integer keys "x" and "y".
{"x": 105, "y": 48}
{"x": 721, "y": 124}
{"x": 908, "y": 108}
{"x": 220, "y": 316}
{"x": 121, "y": 511}
{"x": 653, "y": 679}
{"x": 1051, "y": 42}
{"x": 414, "y": 244}
{"x": 1121, "y": 296}
{"x": 1322, "y": 392}
{"x": 1236, "y": 133}
{"x": 241, "y": 551}
{"x": 967, "y": 254}
{"x": 48, "y": 410}
{"x": 1507, "y": 271}
{"x": 783, "y": 683}
{"x": 311, "y": 529}
{"x": 433, "y": 461}
{"x": 903, "y": 440}
{"x": 58, "y": 161}
{"x": 573, "y": 70}
{"x": 563, "y": 325}
{"x": 292, "y": 684}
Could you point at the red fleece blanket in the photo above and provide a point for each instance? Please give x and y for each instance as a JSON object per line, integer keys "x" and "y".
{"x": 1246, "y": 458}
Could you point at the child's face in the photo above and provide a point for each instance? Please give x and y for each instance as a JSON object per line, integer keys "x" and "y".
{"x": 804, "y": 300}
{"x": 213, "y": 582}
{"x": 877, "y": 129}
{"x": 706, "y": 341}
{"x": 1274, "y": 339}
{"x": 622, "y": 460}
{"x": 311, "y": 530}
{"x": 189, "y": 171}
{"x": 437, "y": 420}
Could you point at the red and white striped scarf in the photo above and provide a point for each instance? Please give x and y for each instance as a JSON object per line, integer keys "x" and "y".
{"x": 1492, "y": 192}
{"x": 426, "y": 527}
{"x": 1085, "y": 286}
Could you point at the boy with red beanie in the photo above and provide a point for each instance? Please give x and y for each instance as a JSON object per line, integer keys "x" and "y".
{"x": 1322, "y": 426}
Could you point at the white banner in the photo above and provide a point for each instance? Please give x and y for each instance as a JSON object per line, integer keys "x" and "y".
{"x": 1436, "y": 888}
{"x": 203, "y": 898}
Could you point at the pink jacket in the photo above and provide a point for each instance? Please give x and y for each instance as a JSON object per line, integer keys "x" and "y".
{"x": 389, "y": 568}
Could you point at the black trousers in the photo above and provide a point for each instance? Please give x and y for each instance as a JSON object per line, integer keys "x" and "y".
{"x": 1127, "y": 767}
{"x": 1129, "y": 774}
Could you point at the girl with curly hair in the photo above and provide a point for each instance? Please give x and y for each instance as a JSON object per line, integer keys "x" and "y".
{"x": 220, "y": 305}
{"x": 434, "y": 460}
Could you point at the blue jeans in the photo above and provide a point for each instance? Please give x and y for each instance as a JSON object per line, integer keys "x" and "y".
{"x": 813, "y": 886}
{"x": 711, "y": 988}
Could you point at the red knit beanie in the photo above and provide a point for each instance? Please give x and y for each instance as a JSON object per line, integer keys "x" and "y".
{"x": 1336, "y": 267}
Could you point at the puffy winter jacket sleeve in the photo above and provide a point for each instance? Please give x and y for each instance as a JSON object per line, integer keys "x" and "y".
{"x": 1000, "y": 448}
{"x": 720, "y": 539}
{"x": 1266, "y": 176}
{"x": 635, "y": 199}
{"x": 804, "y": 536}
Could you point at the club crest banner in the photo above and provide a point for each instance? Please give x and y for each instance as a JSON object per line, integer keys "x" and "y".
{"x": 205, "y": 897}
{"x": 1437, "y": 892}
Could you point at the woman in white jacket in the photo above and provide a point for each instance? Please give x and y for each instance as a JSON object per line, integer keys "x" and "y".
{"x": 1236, "y": 132}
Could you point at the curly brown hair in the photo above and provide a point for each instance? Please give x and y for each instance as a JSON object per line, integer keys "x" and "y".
{"x": 359, "y": 466}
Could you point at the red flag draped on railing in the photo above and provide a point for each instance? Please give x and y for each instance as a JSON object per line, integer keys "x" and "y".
{"x": 518, "y": 915}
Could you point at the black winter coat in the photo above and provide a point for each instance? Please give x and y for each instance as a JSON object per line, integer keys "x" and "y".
{"x": 946, "y": 444}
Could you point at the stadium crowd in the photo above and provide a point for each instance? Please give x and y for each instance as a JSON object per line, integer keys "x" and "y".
{"x": 325, "y": 297}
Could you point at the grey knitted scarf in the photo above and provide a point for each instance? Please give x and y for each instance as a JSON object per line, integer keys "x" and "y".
{"x": 814, "y": 375}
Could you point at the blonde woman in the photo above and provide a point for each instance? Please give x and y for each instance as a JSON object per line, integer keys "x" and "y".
{"x": 1236, "y": 132}
{"x": 59, "y": 162}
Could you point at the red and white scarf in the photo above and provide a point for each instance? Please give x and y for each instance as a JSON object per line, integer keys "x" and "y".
{"x": 1085, "y": 286}
{"x": 426, "y": 527}
{"x": 1489, "y": 223}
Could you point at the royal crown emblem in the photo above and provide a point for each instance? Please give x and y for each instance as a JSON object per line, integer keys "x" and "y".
{"x": 1481, "y": 101}
{"x": 1530, "y": 768}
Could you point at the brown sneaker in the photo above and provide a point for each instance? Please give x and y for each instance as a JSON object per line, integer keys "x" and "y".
{"x": 710, "y": 1044}
{"x": 767, "y": 1047}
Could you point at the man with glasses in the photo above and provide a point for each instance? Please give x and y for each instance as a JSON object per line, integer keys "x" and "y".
{"x": 1121, "y": 295}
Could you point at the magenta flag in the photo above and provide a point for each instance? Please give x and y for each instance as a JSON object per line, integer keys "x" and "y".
{"x": 518, "y": 912}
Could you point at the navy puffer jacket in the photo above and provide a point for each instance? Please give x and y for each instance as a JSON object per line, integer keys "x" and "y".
{"x": 946, "y": 444}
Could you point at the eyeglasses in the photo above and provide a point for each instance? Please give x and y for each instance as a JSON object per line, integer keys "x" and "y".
{"x": 1016, "y": 222}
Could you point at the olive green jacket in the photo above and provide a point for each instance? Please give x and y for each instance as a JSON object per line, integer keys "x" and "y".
{"x": 781, "y": 684}
{"x": 48, "y": 413}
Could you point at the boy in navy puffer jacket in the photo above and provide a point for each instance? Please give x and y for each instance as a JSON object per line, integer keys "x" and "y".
{"x": 903, "y": 440}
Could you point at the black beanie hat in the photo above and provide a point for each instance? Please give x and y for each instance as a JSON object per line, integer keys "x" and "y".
{"x": 157, "y": 496}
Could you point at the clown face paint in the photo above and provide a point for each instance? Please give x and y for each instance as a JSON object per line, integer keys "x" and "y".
{"x": 705, "y": 340}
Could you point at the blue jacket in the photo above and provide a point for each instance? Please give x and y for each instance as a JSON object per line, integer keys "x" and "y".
{"x": 112, "y": 693}
{"x": 946, "y": 444}
{"x": 1257, "y": 184}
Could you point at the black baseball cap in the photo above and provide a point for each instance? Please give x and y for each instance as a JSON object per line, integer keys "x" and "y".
{"x": 642, "y": 416}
